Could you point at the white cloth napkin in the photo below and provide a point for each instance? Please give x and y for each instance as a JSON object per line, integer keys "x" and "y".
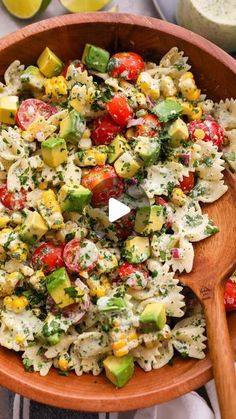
{"x": 189, "y": 406}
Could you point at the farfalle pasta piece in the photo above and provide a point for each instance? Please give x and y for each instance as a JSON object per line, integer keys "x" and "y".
{"x": 173, "y": 63}
{"x": 189, "y": 338}
{"x": 210, "y": 164}
{"x": 91, "y": 344}
{"x": 62, "y": 346}
{"x": 13, "y": 84}
{"x": 230, "y": 150}
{"x": 19, "y": 176}
{"x": 13, "y": 325}
{"x": 12, "y": 146}
{"x": 85, "y": 365}
{"x": 225, "y": 114}
{"x": 76, "y": 75}
{"x": 175, "y": 250}
{"x": 34, "y": 359}
{"x": 208, "y": 191}
{"x": 189, "y": 221}
{"x": 163, "y": 176}
{"x": 154, "y": 358}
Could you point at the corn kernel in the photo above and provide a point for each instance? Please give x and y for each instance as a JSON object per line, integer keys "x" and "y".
{"x": 56, "y": 86}
{"x": 132, "y": 336}
{"x": 188, "y": 87}
{"x": 141, "y": 100}
{"x": 4, "y": 220}
{"x": 92, "y": 157}
{"x": 50, "y": 210}
{"x": 7, "y": 302}
{"x": 18, "y": 250}
{"x": 178, "y": 197}
{"x": 199, "y": 133}
{"x": 168, "y": 87}
{"x": 121, "y": 352}
{"x": 20, "y": 339}
{"x": 193, "y": 112}
{"x": 43, "y": 185}
{"x": 63, "y": 363}
{"x": 87, "y": 133}
{"x": 19, "y": 304}
{"x": 119, "y": 345}
{"x": 148, "y": 85}
{"x": 129, "y": 133}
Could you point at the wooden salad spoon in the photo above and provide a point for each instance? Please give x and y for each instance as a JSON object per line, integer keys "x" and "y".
{"x": 215, "y": 260}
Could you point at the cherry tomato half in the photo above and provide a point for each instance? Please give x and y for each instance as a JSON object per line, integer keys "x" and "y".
{"x": 104, "y": 130}
{"x": 125, "y": 225}
{"x": 80, "y": 256}
{"x": 30, "y": 109}
{"x": 230, "y": 295}
{"x": 71, "y": 255}
{"x": 104, "y": 184}
{"x": 136, "y": 276}
{"x": 127, "y": 65}
{"x": 187, "y": 183}
{"x": 207, "y": 130}
{"x": 12, "y": 200}
{"x": 48, "y": 257}
{"x": 150, "y": 126}
{"x": 76, "y": 63}
{"x": 119, "y": 110}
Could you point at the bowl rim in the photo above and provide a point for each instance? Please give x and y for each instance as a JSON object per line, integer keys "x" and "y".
{"x": 116, "y": 18}
{"x": 191, "y": 379}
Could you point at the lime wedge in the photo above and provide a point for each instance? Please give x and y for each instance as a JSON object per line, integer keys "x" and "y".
{"x": 25, "y": 9}
{"x": 84, "y": 5}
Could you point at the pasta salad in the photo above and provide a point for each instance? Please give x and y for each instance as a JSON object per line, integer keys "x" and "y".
{"x": 79, "y": 292}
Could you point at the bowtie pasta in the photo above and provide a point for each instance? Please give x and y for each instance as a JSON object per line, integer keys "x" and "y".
{"x": 79, "y": 292}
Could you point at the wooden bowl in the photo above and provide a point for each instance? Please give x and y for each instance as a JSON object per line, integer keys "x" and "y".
{"x": 215, "y": 72}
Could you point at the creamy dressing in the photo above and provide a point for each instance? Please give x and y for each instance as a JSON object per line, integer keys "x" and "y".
{"x": 213, "y": 19}
{"x": 217, "y": 10}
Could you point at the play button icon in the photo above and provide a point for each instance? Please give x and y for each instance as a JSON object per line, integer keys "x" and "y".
{"x": 116, "y": 210}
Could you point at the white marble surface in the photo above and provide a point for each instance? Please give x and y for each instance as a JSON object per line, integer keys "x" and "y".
{"x": 9, "y": 24}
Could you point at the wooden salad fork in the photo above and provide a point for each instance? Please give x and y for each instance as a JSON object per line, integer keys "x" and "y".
{"x": 215, "y": 260}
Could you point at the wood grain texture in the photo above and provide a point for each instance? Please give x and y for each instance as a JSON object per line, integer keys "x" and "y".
{"x": 215, "y": 259}
{"x": 215, "y": 72}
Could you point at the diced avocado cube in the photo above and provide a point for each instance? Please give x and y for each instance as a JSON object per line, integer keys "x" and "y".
{"x": 126, "y": 166}
{"x": 32, "y": 78}
{"x": 74, "y": 198}
{"x": 72, "y": 127}
{"x": 92, "y": 157}
{"x": 57, "y": 282}
{"x": 167, "y": 109}
{"x": 49, "y": 64}
{"x": 54, "y": 151}
{"x": 111, "y": 304}
{"x": 8, "y": 109}
{"x": 33, "y": 228}
{"x": 153, "y": 317}
{"x": 137, "y": 249}
{"x": 148, "y": 149}
{"x": 119, "y": 370}
{"x": 95, "y": 58}
{"x": 178, "y": 132}
{"x": 117, "y": 147}
{"x": 149, "y": 220}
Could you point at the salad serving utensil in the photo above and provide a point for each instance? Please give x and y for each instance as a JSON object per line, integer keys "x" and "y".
{"x": 215, "y": 73}
{"x": 215, "y": 260}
